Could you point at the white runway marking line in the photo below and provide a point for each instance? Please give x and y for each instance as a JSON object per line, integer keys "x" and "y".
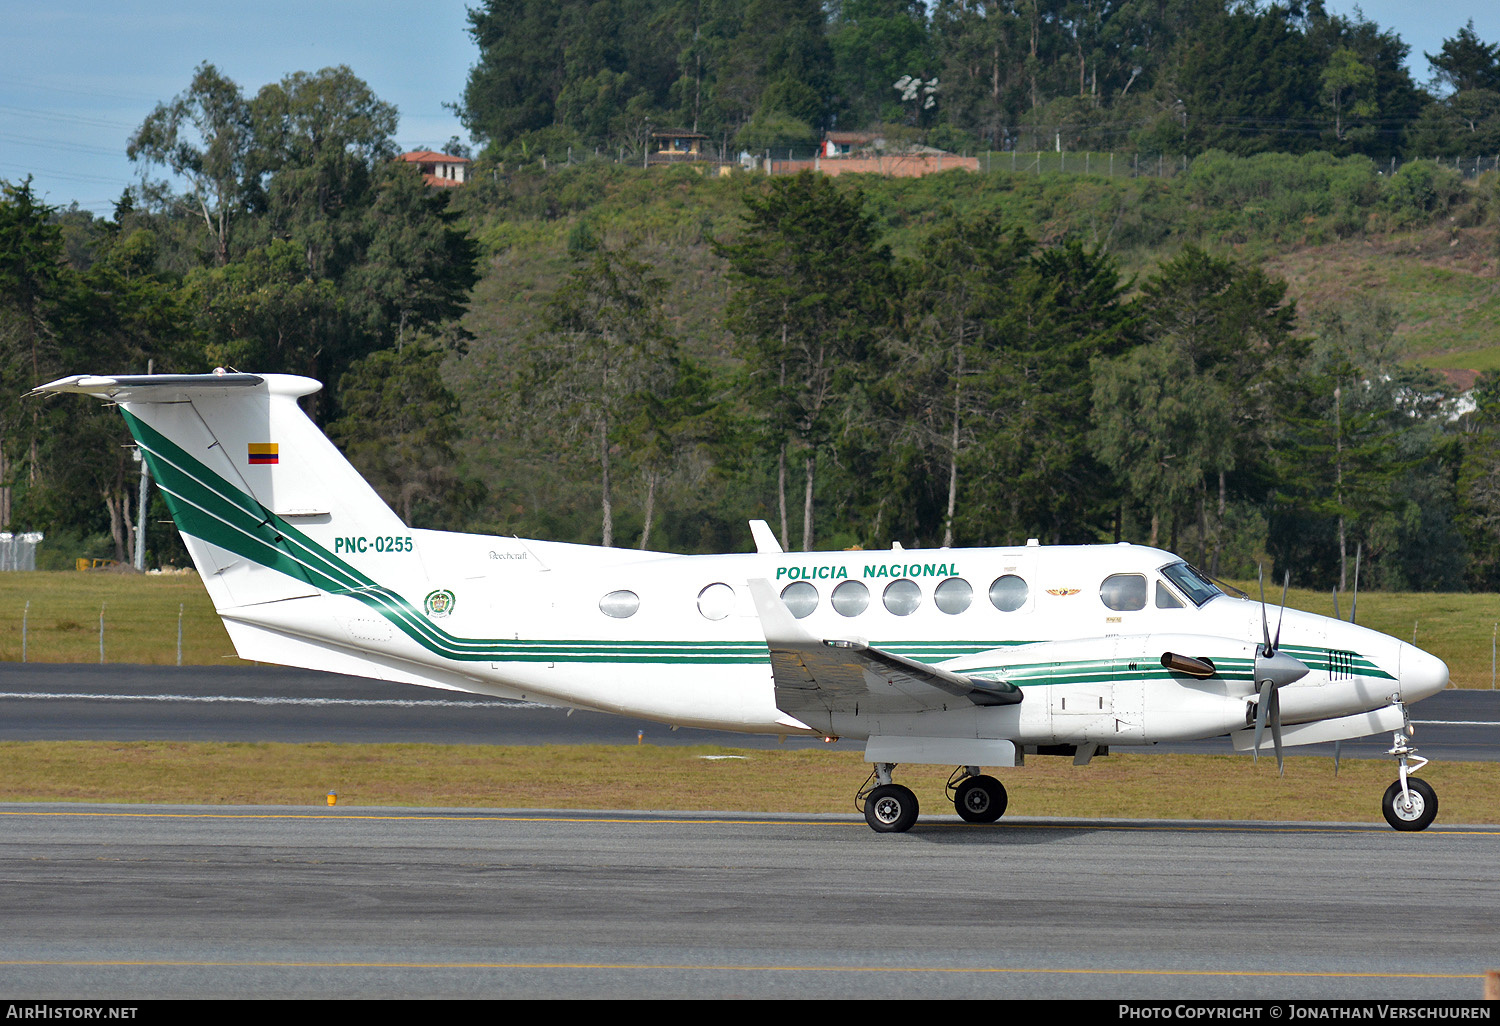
{"x": 244, "y": 700}
{"x": 1456, "y": 723}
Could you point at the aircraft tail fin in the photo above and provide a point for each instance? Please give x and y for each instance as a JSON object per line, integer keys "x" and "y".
{"x": 262, "y": 498}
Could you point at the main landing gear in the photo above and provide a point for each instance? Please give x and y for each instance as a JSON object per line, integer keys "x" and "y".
{"x": 890, "y": 808}
{"x": 1409, "y": 803}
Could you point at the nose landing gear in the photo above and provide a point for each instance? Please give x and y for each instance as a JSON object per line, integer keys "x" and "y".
{"x": 1409, "y": 803}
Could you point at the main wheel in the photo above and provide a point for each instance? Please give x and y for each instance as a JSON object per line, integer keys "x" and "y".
{"x": 980, "y": 799}
{"x": 1416, "y": 816}
{"x": 891, "y": 809}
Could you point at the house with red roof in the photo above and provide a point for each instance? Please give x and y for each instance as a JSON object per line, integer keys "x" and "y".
{"x": 439, "y": 169}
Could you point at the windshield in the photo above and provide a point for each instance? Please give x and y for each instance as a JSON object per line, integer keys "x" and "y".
{"x": 1198, "y": 588}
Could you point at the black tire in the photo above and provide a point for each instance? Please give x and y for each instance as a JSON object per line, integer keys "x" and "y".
{"x": 891, "y": 809}
{"x": 980, "y": 799}
{"x": 1424, "y": 805}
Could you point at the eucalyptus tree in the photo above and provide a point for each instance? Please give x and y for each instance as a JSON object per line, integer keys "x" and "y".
{"x": 205, "y": 135}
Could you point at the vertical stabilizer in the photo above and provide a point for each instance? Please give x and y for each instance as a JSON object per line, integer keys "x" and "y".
{"x": 267, "y": 505}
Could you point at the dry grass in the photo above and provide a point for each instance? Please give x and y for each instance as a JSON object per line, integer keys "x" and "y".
{"x": 61, "y": 610}
{"x": 684, "y": 778}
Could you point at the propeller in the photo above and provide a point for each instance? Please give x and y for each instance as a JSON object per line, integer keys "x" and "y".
{"x": 1274, "y": 670}
{"x": 1354, "y": 599}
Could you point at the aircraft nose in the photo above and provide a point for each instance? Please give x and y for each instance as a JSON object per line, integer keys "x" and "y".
{"x": 1422, "y": 674}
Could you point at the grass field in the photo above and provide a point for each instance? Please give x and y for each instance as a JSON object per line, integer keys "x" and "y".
{"x": 140, "y": 620}
{"x": 708, "y": 779}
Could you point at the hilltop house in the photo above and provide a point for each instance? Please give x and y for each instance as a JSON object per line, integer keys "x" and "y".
{"x": 440, "y": 169}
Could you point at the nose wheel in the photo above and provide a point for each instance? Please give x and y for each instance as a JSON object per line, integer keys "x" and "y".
{"x": 1409, "y": 803}
{"x": 1411, "y": 808}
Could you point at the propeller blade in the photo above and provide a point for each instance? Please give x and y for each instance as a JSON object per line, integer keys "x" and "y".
{"x": 1354, "y": 601}
{"x": 1265, "y": 621}
{"x": 1285, "y": 583}
{"x": 1267, "y": 689}
{"x": 1276, "y": 730}
{"x": 1336, "y": 746}
{"x": 1336, "y": 614}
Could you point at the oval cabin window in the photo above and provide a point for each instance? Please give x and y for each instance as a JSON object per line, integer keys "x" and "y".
{"x": 620, "y": 604}
{"x": 902, "y": 597}
{"x": 1009, "y": 593}
{"x": 953, "y": 595}
{"x": 800, "y": 598}
{"x": 716, "y": 601}
{"x": 850, "y": 598}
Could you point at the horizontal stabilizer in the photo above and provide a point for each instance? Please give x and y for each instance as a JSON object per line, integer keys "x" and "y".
{"x": 159, "y": 388}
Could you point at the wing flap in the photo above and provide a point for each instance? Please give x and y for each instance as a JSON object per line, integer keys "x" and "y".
{"x": 845, "y": 674}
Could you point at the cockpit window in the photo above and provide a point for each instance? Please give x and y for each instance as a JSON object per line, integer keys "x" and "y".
{"x": 1191, "y": 582}
{"x": 1165, "y": 599}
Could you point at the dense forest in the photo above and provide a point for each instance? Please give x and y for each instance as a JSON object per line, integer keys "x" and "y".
{"x": 1156, "y": 76}
{"x": 595, "y": 351}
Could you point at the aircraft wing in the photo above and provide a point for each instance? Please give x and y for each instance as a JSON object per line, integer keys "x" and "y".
{"x": 842, "y": 674}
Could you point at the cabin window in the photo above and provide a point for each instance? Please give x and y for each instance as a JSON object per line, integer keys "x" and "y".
{"x": 1124, "y": 592}
{"x": 1165, "y": 599}
{"x": 800, "y": 598}
{"x": 620, "y": 604}
{"x": 850, "y": 598}
{"x": 716, "y": 601}
{"x": 953, "y": 595}
{"x": 1008, "y": 593}
{"x": 902, "y": 597}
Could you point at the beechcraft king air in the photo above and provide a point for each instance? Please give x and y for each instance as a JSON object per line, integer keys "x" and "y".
{"x": 960, "y": 657}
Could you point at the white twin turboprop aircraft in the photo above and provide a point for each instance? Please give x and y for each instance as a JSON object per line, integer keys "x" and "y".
{"x": 966, "y": 657}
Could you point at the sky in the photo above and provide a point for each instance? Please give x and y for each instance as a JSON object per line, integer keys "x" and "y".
{"x": 77, "y": 77}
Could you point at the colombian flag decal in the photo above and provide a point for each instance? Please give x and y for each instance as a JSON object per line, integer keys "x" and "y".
{"x": 263, "y": 453}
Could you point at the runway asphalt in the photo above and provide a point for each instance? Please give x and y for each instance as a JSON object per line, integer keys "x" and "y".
{"x": 118, "y": 902}
{"x": 122, "y": 903}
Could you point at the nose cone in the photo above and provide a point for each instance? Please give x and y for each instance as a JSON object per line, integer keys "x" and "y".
{"x": 1422, "y": 674}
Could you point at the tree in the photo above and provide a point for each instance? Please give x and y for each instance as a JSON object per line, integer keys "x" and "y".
{"x": 417, "y": 265}
{"x": 1466, "y": 62}
{"x": 956, "y": 293}
{"x": 605, "y": 353}
{"x": 1162, "y": 429}
{"x": 1348, "y": 85}
{"x": 320, "y": 138}
{"x": 811, "y": 287}
{"x": 205, "y": 135}
{"x": 1035, "y": 473}
{"x": 399, "y": 425}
